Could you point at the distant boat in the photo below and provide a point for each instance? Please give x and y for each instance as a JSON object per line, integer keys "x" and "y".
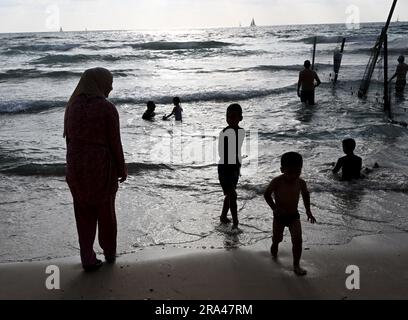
{"x": 61, "y": 29}
{"x": 253, "y": 23}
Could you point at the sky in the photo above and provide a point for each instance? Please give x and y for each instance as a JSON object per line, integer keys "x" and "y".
{"x": 50, "y": 15}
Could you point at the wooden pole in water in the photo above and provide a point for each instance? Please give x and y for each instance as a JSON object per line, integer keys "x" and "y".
{"x": 390, "y": 15}
{"x": 387, "y": 104}
{"x": 342, "y": 45}
{"x": 365, "y": 82}
{"x": 336, "y": 71}
{"x": 314, "y": 52}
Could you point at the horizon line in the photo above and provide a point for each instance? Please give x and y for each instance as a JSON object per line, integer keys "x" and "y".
{"x": 194, "y": 28}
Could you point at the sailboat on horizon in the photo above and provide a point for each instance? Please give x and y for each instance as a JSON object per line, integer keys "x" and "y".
{"x": 253, "y": 23}
{"x": 397, "y": 21}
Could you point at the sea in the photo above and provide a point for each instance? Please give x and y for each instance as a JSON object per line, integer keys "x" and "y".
{"x": 172, "y": 197}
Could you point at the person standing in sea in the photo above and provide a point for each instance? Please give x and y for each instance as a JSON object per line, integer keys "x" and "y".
{"x": 95, "y": 163}
{"x": 229, "y": 167}
{"x": 401, "y": 75}
{"x": 307, "y": 83}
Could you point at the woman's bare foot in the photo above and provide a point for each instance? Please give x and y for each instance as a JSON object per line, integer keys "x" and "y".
{"x": 299, "y": 271}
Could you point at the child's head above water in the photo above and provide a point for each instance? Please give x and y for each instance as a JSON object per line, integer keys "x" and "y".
{"x": 151, "y": 106}
{"x": 234, "y": 114}
{"x": 291, "y": 165}
{"x": 349, "y": 145}
{"x": 176, "y": 100}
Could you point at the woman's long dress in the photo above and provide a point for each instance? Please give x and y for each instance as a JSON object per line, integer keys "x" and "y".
{"x": 94, "y": 162}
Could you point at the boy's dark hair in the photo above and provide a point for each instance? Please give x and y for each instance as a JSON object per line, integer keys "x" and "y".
{"x": 176, "y": 100}
{"x": 291, "y": 159}
{"x": 307, "y": 64}
{"x": 349, "y": 144}
{"x": 150, "y": 104}
{"x": 401, "y": 59}
{"x": 236, "y": 108}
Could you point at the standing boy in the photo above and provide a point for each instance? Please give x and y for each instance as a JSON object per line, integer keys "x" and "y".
{"x": 229, "y": 149}
{"x": 286, "y": 190}
{"x": 177, "y": 110}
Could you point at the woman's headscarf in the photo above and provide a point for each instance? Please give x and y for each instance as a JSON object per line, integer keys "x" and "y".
{"x": 94, "y": 82}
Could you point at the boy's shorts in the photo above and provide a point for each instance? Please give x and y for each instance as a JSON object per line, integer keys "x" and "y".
{"x": 292, "y": 222}
{"x": 307, "y": 97}
{"x": 228, "y": 176}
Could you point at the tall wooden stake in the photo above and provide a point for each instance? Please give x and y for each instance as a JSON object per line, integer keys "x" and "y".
{"x": 314, "y": 52}
{"x": 387, "y": 104}
{"x": 336, "y": 74}
{"x": 365, "y": 82}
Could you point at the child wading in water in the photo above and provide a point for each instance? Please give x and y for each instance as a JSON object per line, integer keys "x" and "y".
{"x": 350, "y": 164}
{"x": 229, "y": 149}
{"x": 286, "y": 190}
{"x": 149, "y": 113}
{"x": 177, "y": 110}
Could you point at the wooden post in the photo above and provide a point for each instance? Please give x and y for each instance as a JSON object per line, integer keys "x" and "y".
{"x": 387, "y": 104}
{"x": 365, "y": 82}
{"x": 336, "y": 74}
{"x": 314, "y": 52}
{"x": 342, "y": 45}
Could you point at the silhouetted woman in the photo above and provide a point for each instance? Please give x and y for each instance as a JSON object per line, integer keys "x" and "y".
{"x": 95, "y": 163}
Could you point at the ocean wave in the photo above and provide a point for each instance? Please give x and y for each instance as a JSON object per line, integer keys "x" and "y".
{"x": 96, "y": 47}
{"x": 15, "y": 107}
{"x": 25, "y": 74}
{"x": 217, "y": 96}
{"x": 189, "y": 45}
{"x": 58, "y": 169}
{"x": 49, "y": 37}
{"x": 337, "y": 39}
{"x": 76, "y": 58}
{"x": 320, "y": 39}
{"x": 34, "y": 73}
{"x": 25, "y": 36}
{"x": 235, "y": 95}
{"x": 36, "y": 169}
{"x": 45, "y": 47}
{"x": 137, "y": 167}
{"x": 391, "y": 51}
{"x": 339, "y": 187}
{"x": 12, "y": 52}
{"x": 288, "y": 68}
{"x": 361, "y": 185}
{"x": 58, "y": 59}
{"x": 269, "y": 68}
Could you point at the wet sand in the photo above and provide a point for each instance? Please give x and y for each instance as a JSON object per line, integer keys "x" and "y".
{"x": 244, "y": 273}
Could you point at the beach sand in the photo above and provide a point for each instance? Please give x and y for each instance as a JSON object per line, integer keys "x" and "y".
{"x": 245, "y": 273}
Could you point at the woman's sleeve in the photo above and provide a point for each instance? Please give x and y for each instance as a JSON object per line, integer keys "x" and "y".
{"x": 114, "y": 141}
